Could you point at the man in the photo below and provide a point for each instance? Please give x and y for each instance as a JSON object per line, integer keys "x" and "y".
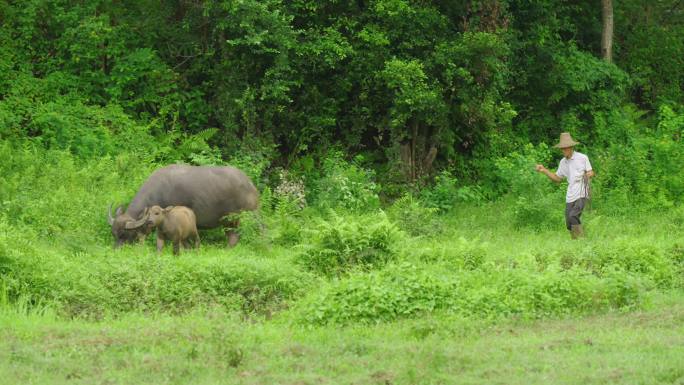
{"x": 575, "y": 167}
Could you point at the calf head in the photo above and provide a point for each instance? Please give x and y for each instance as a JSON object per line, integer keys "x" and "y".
{"x": 127, "y": 229}
{"x": 156, "y": 214}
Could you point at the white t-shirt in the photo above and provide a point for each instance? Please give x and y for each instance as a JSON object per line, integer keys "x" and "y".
{"x": 573, "y": 169}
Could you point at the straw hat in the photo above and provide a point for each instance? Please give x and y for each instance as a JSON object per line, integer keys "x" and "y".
{"x": 566, "y": 141}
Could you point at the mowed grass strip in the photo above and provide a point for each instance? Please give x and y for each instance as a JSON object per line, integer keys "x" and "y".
{"x": 642, "y": 347}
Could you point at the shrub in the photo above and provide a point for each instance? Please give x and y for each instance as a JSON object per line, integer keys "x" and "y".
{"x": 342, "y": 243}
{"x": 290, "y": 190}
{"x": 654, "y": 178}
{"x": 445, "y": 193}
{"x": 545, "y": 212}
{"x": 57, "y": 193}
{"x": 93, "y": 284}
{"x": 406, "y": 290}
{"x": 396, "y": 292}
{"x": 414, "y": 218}
{"x": 536, "y": 201}
{"x": 455, "y": 254}
{"x": 287, "y": 223}
{"x": 283, "y": 213}
{"x": 655, "y": 264}
{"x": 253, "y": 158}
{"x": 251, "y": 227}
{"x": 346, "y": 185}
{"x": 516, "y": 171}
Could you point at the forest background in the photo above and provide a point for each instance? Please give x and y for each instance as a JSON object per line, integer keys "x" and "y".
{"x": 408, "y": 90}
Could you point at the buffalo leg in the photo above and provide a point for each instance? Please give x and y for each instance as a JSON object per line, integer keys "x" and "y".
{"x": 197, "y": 240}
{"x": 232, "y": 234}
{"x": 141, "y": 238}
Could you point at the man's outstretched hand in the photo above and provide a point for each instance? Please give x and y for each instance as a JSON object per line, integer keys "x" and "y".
{"x": 549, "y": 174}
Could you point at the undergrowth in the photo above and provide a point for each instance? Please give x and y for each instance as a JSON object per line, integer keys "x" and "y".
{"x": 314, "y": 264}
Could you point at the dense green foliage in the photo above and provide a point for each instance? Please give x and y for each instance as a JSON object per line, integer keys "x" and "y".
{"x": 327, "y": 263}
{"x": 341, "y": 244}
{"x": 393, "y": 143}
{"x": 281, "y": 84}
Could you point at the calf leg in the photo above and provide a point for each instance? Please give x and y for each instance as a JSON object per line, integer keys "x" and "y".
{"x": 160, "y": 243}
{"x": 191, "y": 242}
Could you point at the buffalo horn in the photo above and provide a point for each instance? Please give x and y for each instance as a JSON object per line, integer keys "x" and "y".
{"x": 135, "y": 224}
{"x": 109, "y": 215}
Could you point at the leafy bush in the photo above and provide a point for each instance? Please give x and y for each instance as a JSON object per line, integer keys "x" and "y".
{"x": 445, "y": 193}
{"x": 517, "y": 173}
{"x": 653, "y": 263}
{"x": 283, "y": 211}
{"x": 143, "y": 84}
{"x": 287, "y": 220}
{"x": 666, "y": 148}
{"x": 537, "y": 203}
{"x": 346, "y": 184}
{"x": 405, "y": 290}
{"x": 251, "y": 227}
{"x": 59, "y": 195}
{"x": 253, "y": 164}
{"x": 455, "y": 254}
{"x": 414, "y": 218}
{"x": 652, "y": 55}
{"x": 291, "y": 190}
{"x": 396, "y": 292}
{"x": 654, "y": 179}
{"x": 343, "y": 243}
{"x": 95, "y": 282}
{"x": 543, "y": 213}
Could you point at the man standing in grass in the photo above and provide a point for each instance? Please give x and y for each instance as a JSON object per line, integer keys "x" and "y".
{"x": 575, "y": 167}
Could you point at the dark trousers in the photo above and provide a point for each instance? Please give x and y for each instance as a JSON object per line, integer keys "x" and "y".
{"x": 573, "y": 211}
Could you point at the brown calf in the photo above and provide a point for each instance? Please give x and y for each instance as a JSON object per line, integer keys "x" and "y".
{"x": 175, "y": 223}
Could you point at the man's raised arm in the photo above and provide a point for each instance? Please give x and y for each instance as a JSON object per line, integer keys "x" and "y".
{"x": 548, "y": 173}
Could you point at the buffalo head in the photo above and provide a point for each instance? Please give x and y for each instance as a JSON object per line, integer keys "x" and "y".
{"x": 127, "y": 229}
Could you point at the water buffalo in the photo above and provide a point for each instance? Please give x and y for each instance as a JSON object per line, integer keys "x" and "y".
{"x": 175, "y": 223}
{"x": 211, "y": 192}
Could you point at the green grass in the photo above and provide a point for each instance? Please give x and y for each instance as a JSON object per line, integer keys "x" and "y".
{"x": 243, "y": 316}
{"x": 477, "y": 265}
{"x": 641, "y": 347}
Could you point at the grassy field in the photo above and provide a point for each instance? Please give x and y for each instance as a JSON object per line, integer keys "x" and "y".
{"x": 472, "y": 300}
{"x": 641, "y": 347}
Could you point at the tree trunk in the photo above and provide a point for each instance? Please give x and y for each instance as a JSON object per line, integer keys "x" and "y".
{"x": 429, "y": 159}
{"x": 416, "y": 152}
{"x": 406, "y": 157}
{"x": 607, "y": 34}
{"x": 414, "y": 139}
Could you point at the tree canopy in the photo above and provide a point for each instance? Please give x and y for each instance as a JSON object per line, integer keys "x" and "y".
{"x": 413, "y": 86}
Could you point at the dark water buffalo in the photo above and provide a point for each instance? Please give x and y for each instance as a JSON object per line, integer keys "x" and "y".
{"x": 211, "y": 192}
